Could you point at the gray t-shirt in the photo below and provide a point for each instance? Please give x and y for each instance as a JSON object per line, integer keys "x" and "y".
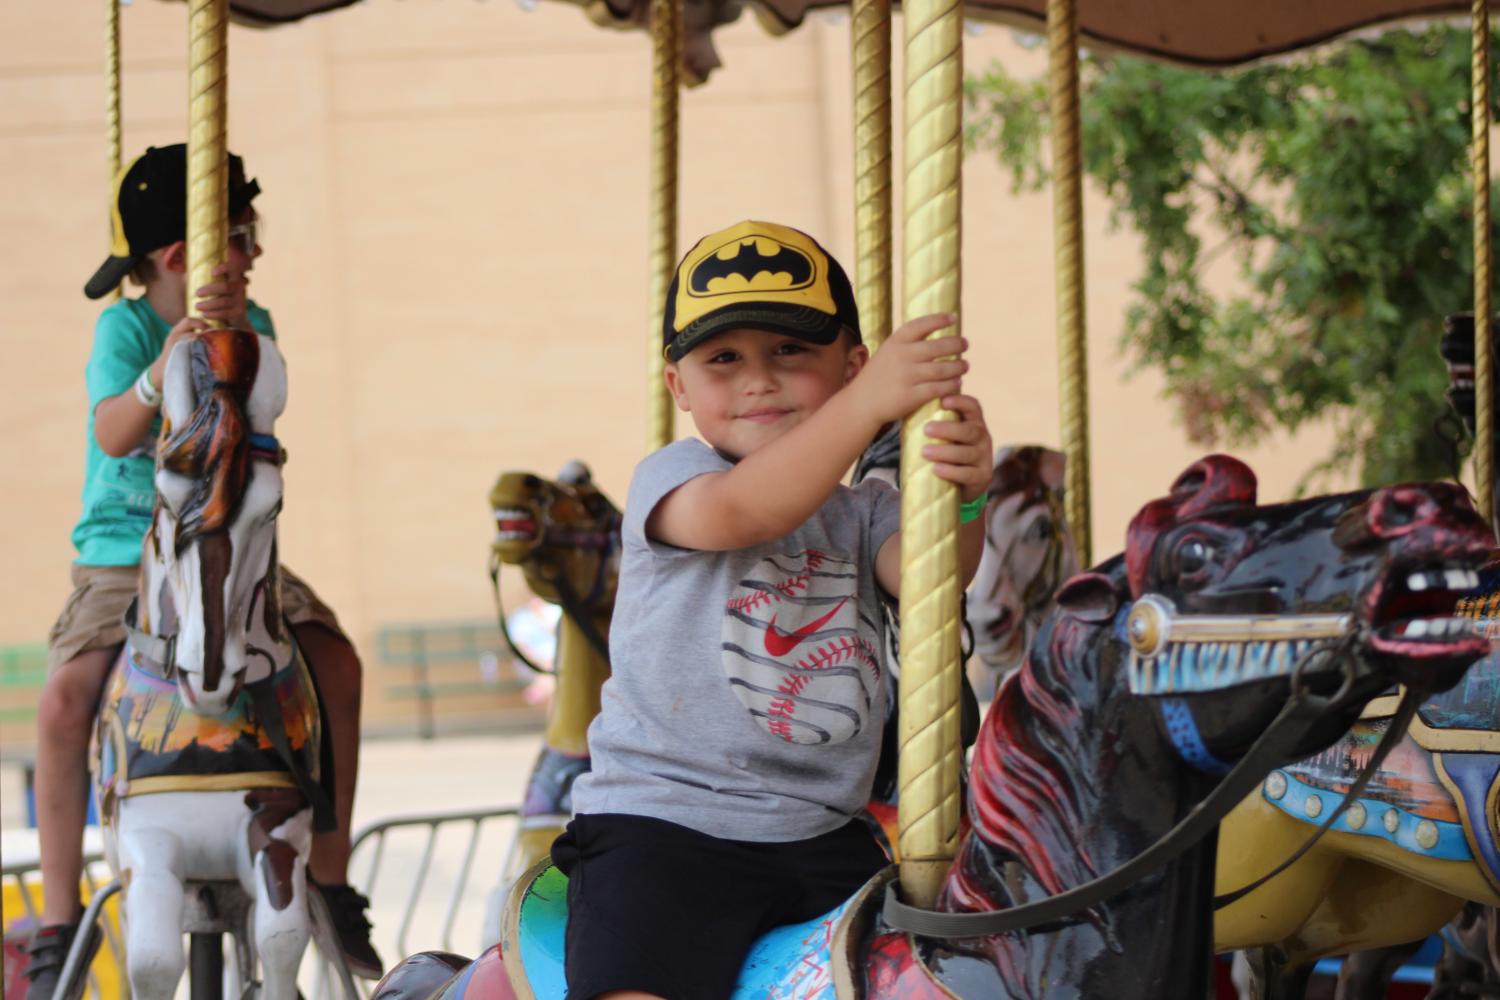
{"x": 747, "y": 697}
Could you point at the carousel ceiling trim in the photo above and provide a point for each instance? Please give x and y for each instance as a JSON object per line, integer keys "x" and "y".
{"x": 1200, "y": 34}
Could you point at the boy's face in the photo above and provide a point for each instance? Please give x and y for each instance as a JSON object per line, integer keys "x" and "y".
{"x": 242, "y": 251}
{"x": 746, "y": 388}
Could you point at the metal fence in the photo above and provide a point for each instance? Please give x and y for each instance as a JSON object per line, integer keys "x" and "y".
{"x": 435, "y": 881}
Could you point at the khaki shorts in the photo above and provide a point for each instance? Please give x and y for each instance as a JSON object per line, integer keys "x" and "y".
{"x": 92, "y": 617}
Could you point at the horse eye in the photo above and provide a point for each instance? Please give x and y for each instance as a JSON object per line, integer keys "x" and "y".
{"x": 1193, "y": 557}
{"x": 1042, "y": 528}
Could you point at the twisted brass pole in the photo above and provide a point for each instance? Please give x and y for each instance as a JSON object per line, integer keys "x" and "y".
{"x": 870, "y": 24}
{"x": 208, "y": 155}
{"x": 1484, "y": 368}
{"x": 666, "y": 29}
{"x": 929, "y": 718}
{"x": 112, "y": 100}
{"x": 1067, "y": 229}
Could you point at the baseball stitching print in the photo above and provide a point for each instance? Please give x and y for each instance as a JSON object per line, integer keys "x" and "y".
{"x": 797, "y": 651}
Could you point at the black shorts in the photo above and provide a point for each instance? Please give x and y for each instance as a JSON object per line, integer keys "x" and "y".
{"x": 658, "y": 907}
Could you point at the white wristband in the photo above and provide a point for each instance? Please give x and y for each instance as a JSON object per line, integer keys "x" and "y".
{"x": 145, "y": 392}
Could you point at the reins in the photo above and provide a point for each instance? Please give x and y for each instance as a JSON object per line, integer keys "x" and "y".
{"x": 576, "y": 608}
{"x": 155, "y": 655}
{"x": 1272, "y": 748}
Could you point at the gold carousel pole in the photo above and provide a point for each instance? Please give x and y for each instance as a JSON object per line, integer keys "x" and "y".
{"x": 1484, "y": 368}
{"x": 929, "y": 722}
{"x": 112, "y": 101}
{"x": 208, "y": 155}
{"x": 666, "y": 29}
{"x": 1067, "y": 228}
{"x": 871, "y": 36}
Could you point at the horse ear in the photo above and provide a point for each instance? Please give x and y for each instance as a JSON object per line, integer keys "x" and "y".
{"x": 1054, "y": 467}
{"x": 1091, "y": 597}
{"x": 1211, "y": 481}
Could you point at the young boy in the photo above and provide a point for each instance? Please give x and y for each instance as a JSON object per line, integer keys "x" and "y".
{"x": 124, "y": 375}
{"x": 740, "y": 729}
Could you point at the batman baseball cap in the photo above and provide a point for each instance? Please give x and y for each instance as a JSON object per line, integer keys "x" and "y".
{"x": 760, "y": 276}
{"x": 149, "y": 210}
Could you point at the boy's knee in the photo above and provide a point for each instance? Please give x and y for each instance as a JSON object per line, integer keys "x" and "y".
{"x": 67, "y": 705}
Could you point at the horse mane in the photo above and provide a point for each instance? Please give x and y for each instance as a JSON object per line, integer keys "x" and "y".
{"x": 1032, "y": 781}
{"x": 213, "y": 447}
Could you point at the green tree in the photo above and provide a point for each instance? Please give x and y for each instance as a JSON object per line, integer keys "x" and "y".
{"x": 1340, "y": 183}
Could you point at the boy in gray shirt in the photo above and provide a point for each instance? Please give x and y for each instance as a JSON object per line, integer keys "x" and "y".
{"x": 740, "y": 730}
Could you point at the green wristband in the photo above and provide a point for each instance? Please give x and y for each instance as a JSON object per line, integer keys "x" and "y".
{"x": 972, "y": 510}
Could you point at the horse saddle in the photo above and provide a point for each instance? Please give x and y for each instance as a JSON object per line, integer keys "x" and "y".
{"x": 815, "y": 960}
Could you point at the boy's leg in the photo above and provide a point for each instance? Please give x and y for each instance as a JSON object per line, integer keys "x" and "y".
{"x": 336, "y": 666}
{"x": 65, "y": 720}
{"x": 337, "y": 669}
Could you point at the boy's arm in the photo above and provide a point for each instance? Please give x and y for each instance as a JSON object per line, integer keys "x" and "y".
{"x": 771, "y": 491}
{"x": 962, "y": 454}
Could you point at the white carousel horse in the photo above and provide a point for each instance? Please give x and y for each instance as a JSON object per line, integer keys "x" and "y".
{"x": 1028, "y": 554}
{"x": 207, "y": 759}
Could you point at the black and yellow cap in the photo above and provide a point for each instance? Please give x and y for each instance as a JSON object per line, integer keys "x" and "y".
{"x": 760, "y": 276}
{"x": 149, "y": 210}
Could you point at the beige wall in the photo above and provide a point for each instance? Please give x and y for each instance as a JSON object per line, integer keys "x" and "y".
{"x": 455, "y": 195}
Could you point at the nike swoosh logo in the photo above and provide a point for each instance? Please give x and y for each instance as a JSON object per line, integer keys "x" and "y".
{"x": 779, "y": 643}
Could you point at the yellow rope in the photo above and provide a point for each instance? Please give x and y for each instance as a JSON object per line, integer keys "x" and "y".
{"x": 208, "y": 155}
{"x": 871, "y": 34}
{"x": 666, "y": 29}
{"x": 1484, "y": 369}
{"x": 929, "y": 726}
{"x": 1067, "y": 228}
{"x": 112, "y": 100}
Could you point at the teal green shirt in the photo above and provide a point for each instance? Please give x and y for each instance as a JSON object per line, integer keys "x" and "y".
{"x": 119, "y": 493}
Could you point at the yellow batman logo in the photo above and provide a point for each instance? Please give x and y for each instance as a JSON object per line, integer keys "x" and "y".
{"x": 756, "y": 263}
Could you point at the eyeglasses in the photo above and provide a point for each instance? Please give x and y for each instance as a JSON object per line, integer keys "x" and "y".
{"x": 247, "y": 235}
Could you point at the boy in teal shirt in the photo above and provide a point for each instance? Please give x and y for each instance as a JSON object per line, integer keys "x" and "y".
{"x": 132, "y": 341}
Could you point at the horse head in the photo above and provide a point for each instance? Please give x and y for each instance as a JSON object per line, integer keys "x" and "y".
{"x": 209, "y": 564}
{"x": 1162, "y": 666}
{"x": 1028, "y": 553}
{"x": 1227, "y": 593}
{"x": 565, "y": 536}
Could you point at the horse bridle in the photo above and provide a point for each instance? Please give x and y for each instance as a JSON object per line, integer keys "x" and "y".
{"x": 579, "y": 609}
{"x": 1292, "y": 724}
{"x": 157, "y": 655}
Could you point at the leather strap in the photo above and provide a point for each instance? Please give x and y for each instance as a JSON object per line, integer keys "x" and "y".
{"x": 268, "y": 713}
{"x": 1399, "y": 721}
{"x": 1302, "y": 710}
{"x": 158, "y": 660}
{"x": 158, "y": 653}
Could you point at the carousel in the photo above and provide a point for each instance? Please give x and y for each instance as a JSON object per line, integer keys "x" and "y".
{"x": 1189, "y": 754}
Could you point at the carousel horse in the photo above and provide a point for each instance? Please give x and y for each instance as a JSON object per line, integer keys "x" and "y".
{"x": 1028, "y": 554}
{"x": 565, "y": 536}
{"x": 208, "y": 743}
{"x": 1433, "y": 849}
{"x": 1112, "y": 731}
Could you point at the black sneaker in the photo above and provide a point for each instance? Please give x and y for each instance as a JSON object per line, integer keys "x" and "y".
{"x": 49, "y": 950}
{"x": 347, "y": 908}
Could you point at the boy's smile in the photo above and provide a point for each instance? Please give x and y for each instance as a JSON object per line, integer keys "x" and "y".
{"x": 748, "y": 387}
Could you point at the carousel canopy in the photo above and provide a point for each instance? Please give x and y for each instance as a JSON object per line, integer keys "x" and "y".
{"x": 1205, "y": 33}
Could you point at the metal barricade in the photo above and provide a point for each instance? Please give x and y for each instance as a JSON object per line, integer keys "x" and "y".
{"x": 454, "y": 862}
{"x": 448, "y": 874}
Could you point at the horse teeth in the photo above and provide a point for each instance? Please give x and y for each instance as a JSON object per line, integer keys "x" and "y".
{"x": 1417, "y": 581}
{"x": 1458, "y": 579}
{"x": 1416, "y": 629}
